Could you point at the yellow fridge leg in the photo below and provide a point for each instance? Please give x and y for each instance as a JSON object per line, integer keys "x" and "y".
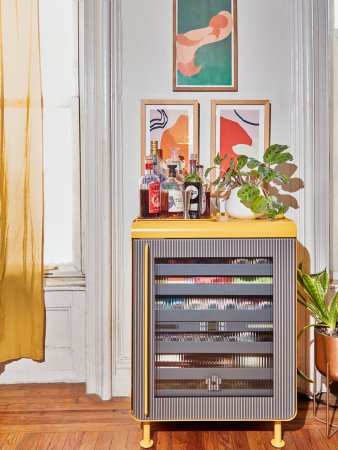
{"x": 146, "y": 442}
{"x": 277, "y": 441}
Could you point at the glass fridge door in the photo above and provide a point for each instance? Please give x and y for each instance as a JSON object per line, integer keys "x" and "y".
{"x": 213, "y": 327}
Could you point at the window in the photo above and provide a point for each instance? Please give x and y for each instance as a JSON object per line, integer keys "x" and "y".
{"x": 59, "y": 40}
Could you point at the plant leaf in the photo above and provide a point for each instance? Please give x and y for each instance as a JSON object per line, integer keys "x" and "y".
{"x": 248, "y": 193}
{"x": 266, "y": 173}
{"x": 333, "y": 311}
{"x": 316, "y": 294}
{"x": 259, "y": 204}
{"x": 208, "y": 170}
{"x": 241, "y": 161}
{"x": 272, "y": 152}
{"x": 281, "y": 177}
{"x": 217, "y": 159}
{"x": 252, "y": 163}
{"x": 282, "y": 158}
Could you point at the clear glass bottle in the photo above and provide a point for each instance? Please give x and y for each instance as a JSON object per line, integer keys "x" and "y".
{"x": 205, "y": 209}
{"x": 193, "y": 183}
{"x": 154, "y": 151}
{"x": 158, "y": 169}
{"x": 150, "y": 200}
{"x": 177, "y": 161}
{"x": 175, "y": 188}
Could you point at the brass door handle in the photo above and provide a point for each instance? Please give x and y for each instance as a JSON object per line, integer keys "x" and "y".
{"x": 146, "y": 330}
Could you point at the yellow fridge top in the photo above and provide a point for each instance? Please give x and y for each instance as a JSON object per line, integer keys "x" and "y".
{"x": 217, "y": 227}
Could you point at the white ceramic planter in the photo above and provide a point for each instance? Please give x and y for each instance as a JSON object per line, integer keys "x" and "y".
{"x": 236, "y": 209}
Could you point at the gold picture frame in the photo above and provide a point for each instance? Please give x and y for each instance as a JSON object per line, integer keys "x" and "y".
{"x": 239, "y": 127}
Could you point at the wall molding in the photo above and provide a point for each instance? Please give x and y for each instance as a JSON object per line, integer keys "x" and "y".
{"x": 99, "y": 152}
{"x": 310, "y": 141}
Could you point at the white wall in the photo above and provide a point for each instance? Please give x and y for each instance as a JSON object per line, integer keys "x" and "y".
{"x": 264, "y": 69}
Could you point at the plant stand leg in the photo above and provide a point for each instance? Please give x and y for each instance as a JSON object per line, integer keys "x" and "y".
{"x": 277, "y": 441}
{"x": 146, "y": 442}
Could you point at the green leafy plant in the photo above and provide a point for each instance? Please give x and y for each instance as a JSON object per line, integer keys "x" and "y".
{"x": 252, "y": 177}
{"x": 311, "y": 294}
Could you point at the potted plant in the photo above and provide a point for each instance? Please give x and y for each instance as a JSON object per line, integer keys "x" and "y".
{"x": 247, "y": 181}
{"x": 312, "y": 294}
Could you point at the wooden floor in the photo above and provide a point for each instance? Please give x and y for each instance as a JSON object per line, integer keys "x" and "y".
{"x": 63, "y": 417}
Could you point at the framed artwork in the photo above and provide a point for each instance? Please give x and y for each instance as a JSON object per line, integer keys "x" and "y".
{"x": 173, "y": 123}
{"x": 205, "y": 45}
{"x": 239, "y": 128}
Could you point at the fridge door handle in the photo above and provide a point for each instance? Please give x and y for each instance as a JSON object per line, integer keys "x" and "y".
{"x": 146, "y": 331}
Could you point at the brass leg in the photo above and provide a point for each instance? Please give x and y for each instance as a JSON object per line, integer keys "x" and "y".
{"x": 327, "y": 421}
{"x": 327, "y": 398}
{"x": 277, "y": 441}
{"x": 146, "y": 442}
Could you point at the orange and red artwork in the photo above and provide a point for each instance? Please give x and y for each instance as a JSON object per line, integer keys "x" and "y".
{"x": 172, "y": 125}
{"x": 240, "y": 129}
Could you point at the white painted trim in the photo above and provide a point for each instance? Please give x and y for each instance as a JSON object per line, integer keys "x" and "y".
{"x": 98, "y": 177}
{"x": 310, "y": 138}
{"x": 121, "y": 362}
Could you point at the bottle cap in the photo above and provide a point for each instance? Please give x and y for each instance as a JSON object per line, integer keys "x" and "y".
{"x": 172, "y": 169}
{"x": 154, "y": 147}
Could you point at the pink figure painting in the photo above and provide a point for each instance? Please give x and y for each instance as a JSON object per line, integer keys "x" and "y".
{"x": 220, "y": 26}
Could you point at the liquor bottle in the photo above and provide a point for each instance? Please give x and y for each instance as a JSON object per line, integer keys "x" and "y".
{"x": 149, "y": 187}
{"x": 178, "y": 161}
{"x": 156, "y": 154}
{"x": 153, "y": 152}
{"x": 175, "y": 188}
{"x": 205, "y": 210}
{"x": 193, "y": 183}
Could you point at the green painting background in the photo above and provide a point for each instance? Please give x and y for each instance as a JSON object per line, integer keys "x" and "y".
{"x": 216, "y": 58}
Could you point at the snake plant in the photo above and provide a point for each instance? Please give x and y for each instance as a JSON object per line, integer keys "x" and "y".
{"x": 312, "y": 294}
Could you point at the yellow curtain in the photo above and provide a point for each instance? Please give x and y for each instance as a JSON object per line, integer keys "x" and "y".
{"x": 21, "y": 183}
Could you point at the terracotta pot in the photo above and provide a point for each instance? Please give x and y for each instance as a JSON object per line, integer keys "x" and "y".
{"x": 236, "y": 209}
{"x": 326, "y": 352}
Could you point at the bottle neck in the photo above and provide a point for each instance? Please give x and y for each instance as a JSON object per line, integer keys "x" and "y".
{"x": 148, "y": 169}
{"x": 192, "y": 165}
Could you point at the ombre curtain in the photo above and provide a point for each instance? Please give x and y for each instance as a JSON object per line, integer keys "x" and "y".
{"x": 21, "y": 183}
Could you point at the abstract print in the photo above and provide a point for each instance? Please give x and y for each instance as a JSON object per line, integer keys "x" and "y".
{"x": 205, "y": 43}
{"x": 239, "y": 133}
{"x": 170, "y": 127}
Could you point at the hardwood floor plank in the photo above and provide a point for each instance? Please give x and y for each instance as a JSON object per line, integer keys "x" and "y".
{"x": 104, "y": 440}
{"x": 58, "y": 441}
{"x": 240, "y": 440}
{"x": 315, "y": 439}
{"x": 162, "y": 440}
{"x": 11, "y": 441}
{"x": 216, "y": 440}
{"x": 132, "y": 441}
{"x": 259, "y": 440}
{"x": 301, "y": 441}
{"x": 28, "y": 441}
{"x": 119, "y": 440}
{"x": 73, "y": 441}
{"x": 89, "y": 440}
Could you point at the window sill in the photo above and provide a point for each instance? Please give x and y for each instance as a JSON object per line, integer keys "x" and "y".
{"x": 64, "y": 278}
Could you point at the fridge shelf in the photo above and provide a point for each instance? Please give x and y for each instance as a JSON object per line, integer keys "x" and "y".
{"x": 205, "y": 289}
{"x": 181, "y": 315}
{"x": 213, "y": 269}
{"x": 214, "y": 347}
{"x": 177, "y": 373}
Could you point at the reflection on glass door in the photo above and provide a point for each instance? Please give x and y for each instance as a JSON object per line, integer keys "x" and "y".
{"x": 213, "y": 327}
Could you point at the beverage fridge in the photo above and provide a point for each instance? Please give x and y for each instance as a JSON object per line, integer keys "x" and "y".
{"x": 213, "y": 322}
